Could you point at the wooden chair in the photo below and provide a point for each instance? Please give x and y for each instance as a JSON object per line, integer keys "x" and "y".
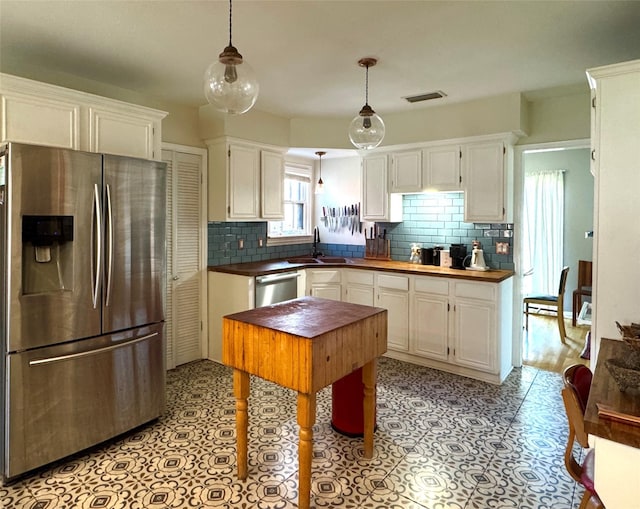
{"x": 575, "y": 393}
{"x": 583, "y": 289}
{"x": 556, "y": 301}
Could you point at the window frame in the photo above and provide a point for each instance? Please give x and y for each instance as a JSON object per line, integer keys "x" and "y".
{"x": 304, "y": 170}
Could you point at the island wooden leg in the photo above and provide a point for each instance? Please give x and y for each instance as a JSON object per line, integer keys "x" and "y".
{"x": 306, "y": 420}
{"x": 369, "y": 381}
{"x": 241, "y": 392}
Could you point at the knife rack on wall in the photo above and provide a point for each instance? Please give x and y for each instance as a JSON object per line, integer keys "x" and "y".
{"x": 342, "y": 218}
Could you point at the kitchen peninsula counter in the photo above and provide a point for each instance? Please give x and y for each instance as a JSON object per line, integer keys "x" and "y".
{"x": 253, "y": 269}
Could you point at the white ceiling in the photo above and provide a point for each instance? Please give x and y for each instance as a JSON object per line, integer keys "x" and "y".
{"x": 305, "y": 52}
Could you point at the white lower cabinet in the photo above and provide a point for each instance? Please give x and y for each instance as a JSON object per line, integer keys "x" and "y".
{"x": 358, "y": 287}
{"x": 461, "y": 326}
{"x": 430, "y": 318}
{"x": 455, "y": 325}
{"x": 474, "y": 334}
{"x": 392, "y": 293}
{"x": 324, "y": 283}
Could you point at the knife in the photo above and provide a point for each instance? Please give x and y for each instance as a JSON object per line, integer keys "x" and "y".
{"x": 351, "y": 223}
{"x": 353, "y": 218}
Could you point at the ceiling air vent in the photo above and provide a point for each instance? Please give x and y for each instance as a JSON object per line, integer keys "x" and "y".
{"x": 438, "y": 94}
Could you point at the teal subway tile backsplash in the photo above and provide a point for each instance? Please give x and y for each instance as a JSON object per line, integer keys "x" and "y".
{"x": 436, "y": 219}
{"x": 223, "y": 242}
{"x": 430, "y": 219}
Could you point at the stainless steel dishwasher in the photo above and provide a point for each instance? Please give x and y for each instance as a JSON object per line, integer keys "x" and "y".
{"x": 274, "y": 288}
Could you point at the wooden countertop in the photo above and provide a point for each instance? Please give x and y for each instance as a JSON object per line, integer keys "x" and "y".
{"x": 253, "y": 269}
{"x": 307, "y": 317}
{"x": 605, "y": 391}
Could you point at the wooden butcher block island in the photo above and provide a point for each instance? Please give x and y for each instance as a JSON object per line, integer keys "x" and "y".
{"x": 303, "y": 344}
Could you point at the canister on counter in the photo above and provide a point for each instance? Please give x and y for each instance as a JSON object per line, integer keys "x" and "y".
{"x": 445, "y": 258}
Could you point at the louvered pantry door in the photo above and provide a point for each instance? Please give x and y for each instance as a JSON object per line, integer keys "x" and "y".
{"x": 184, "y": 257}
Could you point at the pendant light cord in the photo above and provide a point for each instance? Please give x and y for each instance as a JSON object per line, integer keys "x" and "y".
{"x": 230, "y": 23}
{"x": 366, "y": 87}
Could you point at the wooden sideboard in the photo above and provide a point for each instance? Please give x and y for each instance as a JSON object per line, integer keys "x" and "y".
{"x": 616, "y": 443}
{"x": 605, "y": 391}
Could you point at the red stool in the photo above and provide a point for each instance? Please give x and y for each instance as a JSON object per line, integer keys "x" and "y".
{"x": 347, "y": 396}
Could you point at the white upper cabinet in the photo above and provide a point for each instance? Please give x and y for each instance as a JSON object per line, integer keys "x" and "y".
{"x": 29, "y": 119}
{"x": 378, "y": 204}
{"x": 441, "y": 168}
{"x": 246, "y": 181}
{"x": 43, "y": 114}
{"x": 121, "y": 132}
{"x": 481, "y": 166}
{"x": 272, "y": 189}
{"x": 484, "y": 177}
{"x": 406, "y": 172}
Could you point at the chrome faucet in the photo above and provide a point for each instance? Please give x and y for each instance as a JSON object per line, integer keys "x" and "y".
{"x": 316, "y": 241}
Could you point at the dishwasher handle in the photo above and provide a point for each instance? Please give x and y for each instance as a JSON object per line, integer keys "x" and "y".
{"x": 272, "y": 278}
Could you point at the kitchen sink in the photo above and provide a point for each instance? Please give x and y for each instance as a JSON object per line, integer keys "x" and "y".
{"x": 331, "y": 259}
{"x": 302, "y": 259}
{"x": 320, "y": 259}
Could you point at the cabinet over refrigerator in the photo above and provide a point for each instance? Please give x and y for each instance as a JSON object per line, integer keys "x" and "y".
{"x": 83, "y": 276}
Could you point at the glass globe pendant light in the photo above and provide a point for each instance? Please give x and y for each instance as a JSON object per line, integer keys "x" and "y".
{"x": 366, "y": 130}
{"x": 230, "y": 84}
{"x": 320, "y": 184}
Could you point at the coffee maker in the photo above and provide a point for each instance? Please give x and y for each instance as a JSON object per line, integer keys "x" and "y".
{"x": 458, "y": 253}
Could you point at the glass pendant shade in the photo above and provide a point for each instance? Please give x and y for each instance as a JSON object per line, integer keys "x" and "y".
{"x": 320, "y": 187}
{"x": 366, "y": 131}
{"x": 230, "y": 84}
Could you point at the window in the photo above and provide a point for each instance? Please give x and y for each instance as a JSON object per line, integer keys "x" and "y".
{"x": 297, "y": 206}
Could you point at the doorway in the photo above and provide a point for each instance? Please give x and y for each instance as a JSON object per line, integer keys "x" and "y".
{"x": 541, "y": 346}
{"x": 186, "y": 304}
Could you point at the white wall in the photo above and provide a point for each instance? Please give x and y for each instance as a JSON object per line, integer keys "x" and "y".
{"x": 566, "y": 117}
{"x": 342, "y": 183}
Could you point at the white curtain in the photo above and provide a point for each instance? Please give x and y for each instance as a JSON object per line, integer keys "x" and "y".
{"x": 543, "y": 226}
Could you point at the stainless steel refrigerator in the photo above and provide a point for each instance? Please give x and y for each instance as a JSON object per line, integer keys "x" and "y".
{"x": 82, "y": 254}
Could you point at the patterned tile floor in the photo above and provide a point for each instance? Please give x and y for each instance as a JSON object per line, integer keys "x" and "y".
{"x": 443, "y": 441}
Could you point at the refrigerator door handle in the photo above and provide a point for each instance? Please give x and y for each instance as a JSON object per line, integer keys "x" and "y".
{"x": 109, "y": 218}
{"x": 97, "y": 245}
{"x": 59, "y": 358}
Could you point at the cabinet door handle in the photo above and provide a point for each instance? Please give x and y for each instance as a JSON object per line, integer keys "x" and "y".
{"x": 593, "y": 155}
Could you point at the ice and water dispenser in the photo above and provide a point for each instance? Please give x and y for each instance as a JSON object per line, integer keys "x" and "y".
{"x": 47, "y": 253}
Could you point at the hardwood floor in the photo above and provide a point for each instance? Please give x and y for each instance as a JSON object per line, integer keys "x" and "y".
{"x": 542, "y": 349}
